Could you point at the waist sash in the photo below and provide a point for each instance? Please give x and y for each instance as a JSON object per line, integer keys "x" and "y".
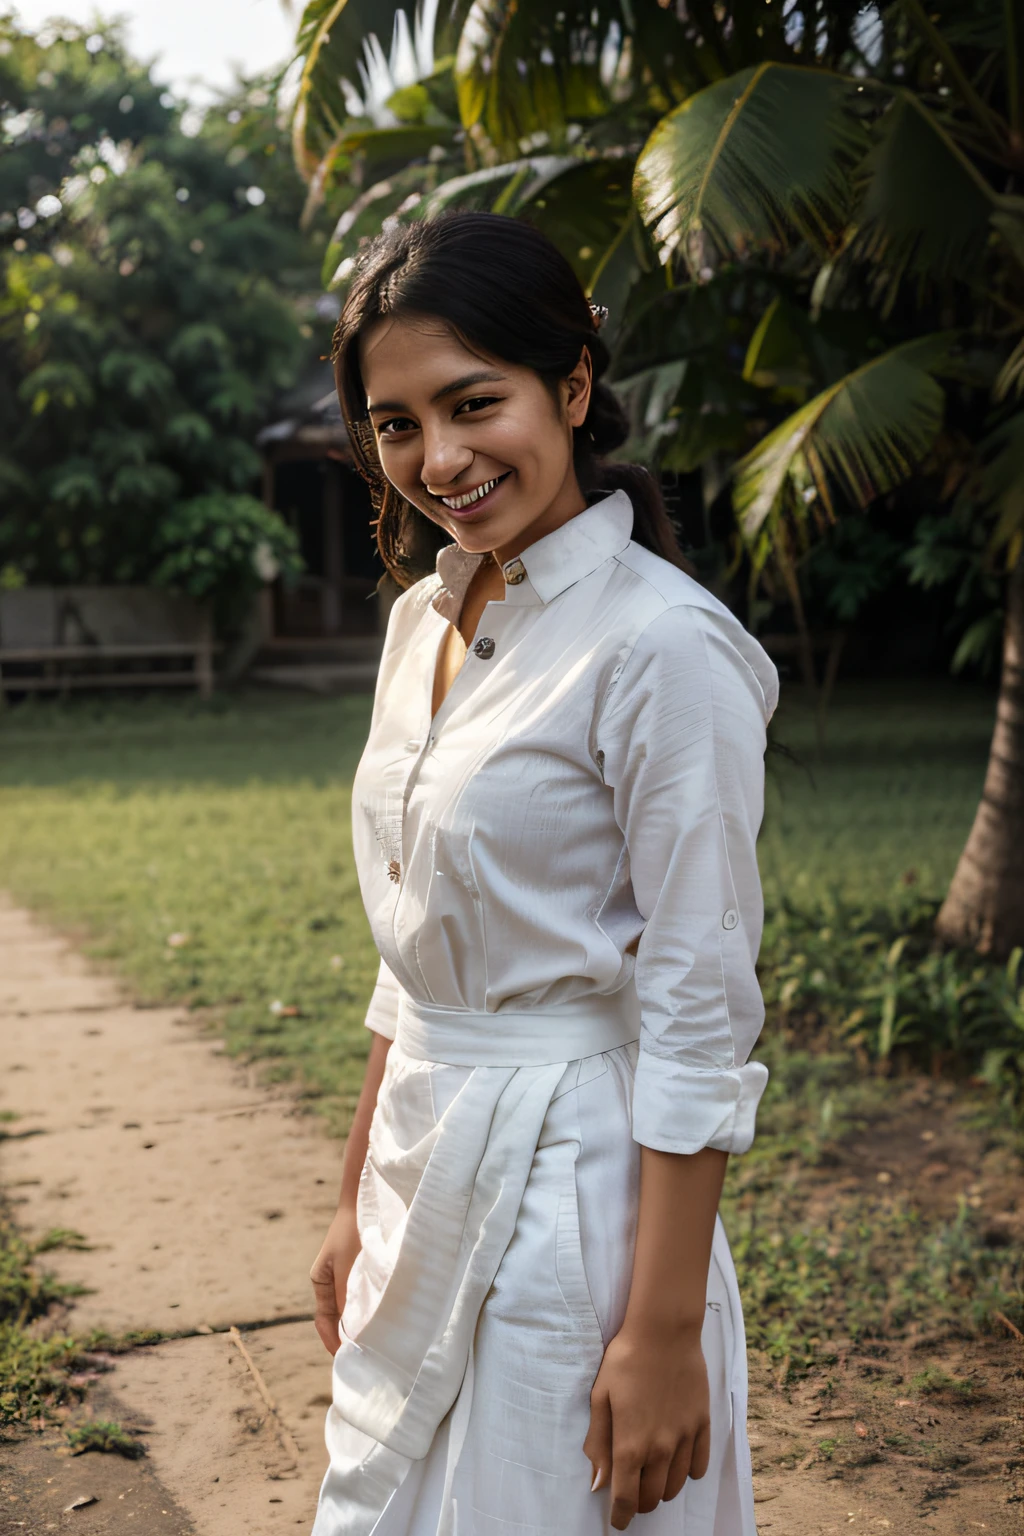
{"x": 538, "y": 1038}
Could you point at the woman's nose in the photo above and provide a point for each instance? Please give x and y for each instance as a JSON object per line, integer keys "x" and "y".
{"x": 444, "y": 459}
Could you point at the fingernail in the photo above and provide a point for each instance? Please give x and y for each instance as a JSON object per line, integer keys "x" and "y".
{"x": 595, "y": 1485}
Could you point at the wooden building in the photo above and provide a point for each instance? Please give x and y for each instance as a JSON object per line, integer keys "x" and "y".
{"x": 331, "y": 616}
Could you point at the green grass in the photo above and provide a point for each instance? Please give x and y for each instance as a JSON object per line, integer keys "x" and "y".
{"x": 890, "y": 801}
{"x": 33, "y": 1368}
{"x": 228, "y": 825}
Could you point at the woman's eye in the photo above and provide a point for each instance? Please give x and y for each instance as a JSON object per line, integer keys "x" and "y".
{"x": 478, "y": 403}
{"x": 396, "y": 425}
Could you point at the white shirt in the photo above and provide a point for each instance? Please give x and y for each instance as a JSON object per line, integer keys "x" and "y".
{"x": 593, "y": 777}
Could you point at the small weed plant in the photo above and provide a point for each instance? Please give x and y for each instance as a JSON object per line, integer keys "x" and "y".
{"x": 105, "y": 1435}
{"x": 33, "y": 1368}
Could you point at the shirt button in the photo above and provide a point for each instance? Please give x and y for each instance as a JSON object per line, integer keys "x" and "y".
{"x": 515, "y": 572}
{"x": 484, "y": 648}
{"x": 730, "y": 919}
{"x": 412, "y": 746}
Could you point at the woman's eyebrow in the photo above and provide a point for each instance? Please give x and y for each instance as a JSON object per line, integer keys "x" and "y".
{"x": 485, "y": 376}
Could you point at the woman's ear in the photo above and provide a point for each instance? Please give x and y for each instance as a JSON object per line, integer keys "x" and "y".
{"x": 578, "y": 397}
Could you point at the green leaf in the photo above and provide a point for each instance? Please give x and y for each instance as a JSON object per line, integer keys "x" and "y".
{"x": 144, "y": 485}
{"x": 188, "y": 431}
{"x": 861, "y": 437}
{"x": 500, "y": 188}
{"x": 926, "y": 210}
{"x": 402, "y": 144}
{"x": 57, "y": 383}
{"x": 584, "y": 209}
{"x": 211, "y": 545}
{"x": 523, "y": 69}
{"x": 777, "y": 356}
{"x": 752, "y": 162}
{"x": 75, "y": 484}
{"x": 140, "y": 375}
{"x": 330, "y": 43}
{"x": 201, "y": 343}
{"x": 232, "y": 398}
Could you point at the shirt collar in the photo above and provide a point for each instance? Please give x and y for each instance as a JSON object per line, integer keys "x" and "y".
{"x": 552, "y": 565}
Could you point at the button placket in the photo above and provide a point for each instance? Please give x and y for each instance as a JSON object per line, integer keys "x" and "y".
{"x": 484, "y": 648}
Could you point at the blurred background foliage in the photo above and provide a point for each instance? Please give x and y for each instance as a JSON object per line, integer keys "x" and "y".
{"x": 157, "y": 296}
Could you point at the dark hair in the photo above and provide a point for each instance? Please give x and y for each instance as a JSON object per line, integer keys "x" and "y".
{"x": 506, "y": 291}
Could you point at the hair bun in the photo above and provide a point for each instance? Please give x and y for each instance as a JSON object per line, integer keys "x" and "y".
{"x": 606, "y": 422}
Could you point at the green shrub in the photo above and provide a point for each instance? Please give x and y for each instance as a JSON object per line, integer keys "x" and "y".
{"x": 879, "y": 982}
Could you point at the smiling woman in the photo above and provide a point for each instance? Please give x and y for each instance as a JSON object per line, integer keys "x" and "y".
{"x": 513, "y": 359}
{"x": 526, "y": 1290}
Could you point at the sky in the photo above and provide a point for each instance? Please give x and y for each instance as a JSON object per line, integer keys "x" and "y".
{"x": 198, "y": 41}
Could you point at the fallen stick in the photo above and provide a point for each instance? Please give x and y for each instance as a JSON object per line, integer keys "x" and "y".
{"x": 283, "y": 1433}
{"x": 1002, "y": 1318}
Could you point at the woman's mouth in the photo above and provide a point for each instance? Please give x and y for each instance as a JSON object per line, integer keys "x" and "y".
{"x": 472, "y": 501}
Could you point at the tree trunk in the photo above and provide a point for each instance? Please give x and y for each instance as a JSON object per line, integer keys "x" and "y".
{"x": 984, "y": 907}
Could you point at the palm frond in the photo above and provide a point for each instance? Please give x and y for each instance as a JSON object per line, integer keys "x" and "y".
{"x": 500, "y": 188}
{"x": 859, "y": 438}
{"x": 583, "y": 208}
{"x": 524, "y": 69}
{"x": 926, "y": 209}
{"x": 338, "y": 43}
{"x": 752, "y": 162}
{"x": 777, "y": 357}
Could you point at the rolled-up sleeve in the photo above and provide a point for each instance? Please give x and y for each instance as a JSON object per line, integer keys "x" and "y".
{"x": 382, "y": 1013}
{"x": 683, "y": 737}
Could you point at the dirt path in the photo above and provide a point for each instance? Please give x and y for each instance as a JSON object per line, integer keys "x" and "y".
{"x": 203, "y": 1196}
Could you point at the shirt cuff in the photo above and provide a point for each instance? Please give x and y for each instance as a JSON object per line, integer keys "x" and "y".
{"x": 677, "y": 1108}
{"x": 382, "y": 1014}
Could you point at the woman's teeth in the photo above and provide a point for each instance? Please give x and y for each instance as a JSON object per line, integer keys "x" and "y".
{"x": 456, "y": 503}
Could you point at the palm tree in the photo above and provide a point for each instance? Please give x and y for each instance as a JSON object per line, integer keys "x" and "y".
{"x": 908, "y": 188}
{"x": 807, "y": 163}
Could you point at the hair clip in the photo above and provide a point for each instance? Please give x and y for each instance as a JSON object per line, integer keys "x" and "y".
{"x": 600, "y": 314}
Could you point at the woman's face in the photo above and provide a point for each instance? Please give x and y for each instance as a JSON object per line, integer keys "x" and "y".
{"x": 479, "y": 445}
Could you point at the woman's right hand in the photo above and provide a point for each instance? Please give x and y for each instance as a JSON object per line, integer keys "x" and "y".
{"x": 330, "y": 1273}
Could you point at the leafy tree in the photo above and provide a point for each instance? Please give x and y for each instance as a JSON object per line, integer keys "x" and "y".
{"x": 807, "y": 220}
{"x": 156, "y": 296}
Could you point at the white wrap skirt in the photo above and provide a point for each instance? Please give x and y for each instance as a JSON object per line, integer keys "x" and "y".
{"x": 497, "y": 1211}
